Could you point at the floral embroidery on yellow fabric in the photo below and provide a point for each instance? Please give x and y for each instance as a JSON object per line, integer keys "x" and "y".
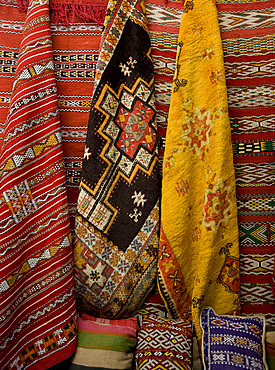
{"x": 199, "y": 251}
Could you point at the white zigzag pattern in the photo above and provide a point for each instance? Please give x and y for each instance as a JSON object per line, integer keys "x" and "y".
{"x": 258, "y": 96}
{"x": 255, "y": 172}
{"x": 248, "y": 124}
{"x": 158, "y": 14}
{"x": 34, "y": 317}
{"x": 247, "y": 19}
{"x": 30, "y": 124}
{"x": 46, "y": 224}
{"x": 258, "y": 294}
{"x": 29, "y": 47}
{"x": 163, "y": 341}
{"x": 18, "y": 159}
{"x": 242, "y": 69}
{"x": 40, "y": 200}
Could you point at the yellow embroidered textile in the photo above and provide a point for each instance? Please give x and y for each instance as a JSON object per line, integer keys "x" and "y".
{"x": 199, "y": 251}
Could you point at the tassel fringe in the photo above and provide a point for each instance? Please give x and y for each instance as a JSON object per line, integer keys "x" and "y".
{"x": 67, "y": 13}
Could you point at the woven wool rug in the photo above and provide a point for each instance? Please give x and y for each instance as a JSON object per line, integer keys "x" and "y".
{"x": 247, "y": 30}
{"x": 75, "y": 53}
{"x": 198, "y": 253}
{"x": 38, "y": 325}
{"x": 117, "y": 222}
{"x": 34, "y": 206}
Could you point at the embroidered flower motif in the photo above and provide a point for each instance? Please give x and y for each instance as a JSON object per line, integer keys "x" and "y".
{"x": 130, "y": 255}
{"x": 139, "y": 199}
{"x": 112, "y": 39}
{"x": 219, "y": 357}
{"x": 119, "y": 24}
{"x": 242, "y": 342}
{"x": 229, "y": 339}
{"x": 98, "y": 246}
{"x": 256, "y": 364}
{"x": 182, "y": 187}
{"x": 189, "y": 5}
{"x": 135, "y": 215}
{"x": 217, "y": 205}
{"x": 237, "y": 359}
{"x": 216, "y": 77}
{"x": 197, "y": 128}
{"x": 116, "y": 276}
{"x": 105, "y": 296}
{"x": 216, "y": 338}
{"x": 114, "y": 259}
{"x": 81, "y": 231}
{"x": 197, "y": 30}
{"x": 105, "y": 56}
{"x": 196, "y": 234}
{"x": 125, "y": 69}
{"x": 208, "y": 53}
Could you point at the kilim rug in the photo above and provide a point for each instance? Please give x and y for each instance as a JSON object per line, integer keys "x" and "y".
{"x": 117, "y": 222}
{"x": 76, "y": 30}
{"x": 75, "y": 54}
{"x": 247, "y": 30}
{"x": 37, "y": 303}
{"x": 198, "y": 253}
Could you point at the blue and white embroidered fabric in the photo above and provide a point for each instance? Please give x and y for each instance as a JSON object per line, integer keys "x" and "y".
{"x": 233, "y": 342}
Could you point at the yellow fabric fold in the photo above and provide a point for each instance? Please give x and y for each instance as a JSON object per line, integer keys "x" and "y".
{"x": 199, "y": 251}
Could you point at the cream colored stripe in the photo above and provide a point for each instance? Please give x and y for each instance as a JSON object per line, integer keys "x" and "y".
{"x": 102, "y": 358}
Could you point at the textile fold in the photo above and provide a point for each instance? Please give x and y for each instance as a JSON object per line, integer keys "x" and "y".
{"x": 198, "y": 255}
{"x": 37, "y": 303}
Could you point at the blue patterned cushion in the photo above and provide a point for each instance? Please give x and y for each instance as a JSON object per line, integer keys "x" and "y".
{"x": 232, "y": 342}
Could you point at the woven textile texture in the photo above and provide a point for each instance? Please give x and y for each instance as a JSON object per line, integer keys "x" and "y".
{"x": 154, "y": 305}
{"x": 233, "y": 342}
{"x": 247, "y": 30}
{"x": 198, "y": 254}
{"x": 37, "y": 327}
{"x": 105, "y": 344}
{"x": 164, "y": 344}
{"x": 117, "y": 221}
{"x": 163, "y": 25}
{"x": 76, "y": 30}
{"x": 75, "y": 54}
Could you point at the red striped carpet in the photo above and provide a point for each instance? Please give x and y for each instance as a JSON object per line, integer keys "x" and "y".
{"x": 42, "y": 121}
{"x": 247, "y": 29}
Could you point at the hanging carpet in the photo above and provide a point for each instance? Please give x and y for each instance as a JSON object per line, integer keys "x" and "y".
{"x": 198, "y": 255}
{"x": 37, "y": 303}
{"x": 247, "y": 31}
{"x": 117, "y": 221}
